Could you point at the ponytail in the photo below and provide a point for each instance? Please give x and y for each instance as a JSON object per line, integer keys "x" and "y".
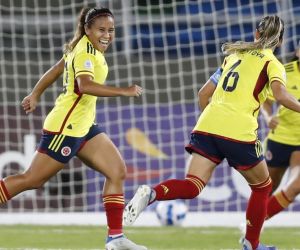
{"x": 270, "y": 29}
{"x": 79, "y": 33}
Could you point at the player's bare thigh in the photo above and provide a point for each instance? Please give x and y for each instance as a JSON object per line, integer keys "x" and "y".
{"x": 279, "y": 158}
{"x": 295, "y": 159}
{"x": 41, "y": 169}
{"x": 276, "y": 174}
{"x": 256, "y": 174}
{"x": 102, "y": 155}
{"x": 292, "y": 188}
{"x": 201, "y": 167}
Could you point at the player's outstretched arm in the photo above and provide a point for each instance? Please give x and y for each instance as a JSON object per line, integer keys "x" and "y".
{"x": 283, "y": 97}
{"x": 88, "y": 86}
{"x": 29, "y": 102}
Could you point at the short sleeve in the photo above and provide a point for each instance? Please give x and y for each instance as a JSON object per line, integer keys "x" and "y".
{"x": 216, "y": 76}
{"x": 276, "y": 72}
{"x": 84, "y": 64}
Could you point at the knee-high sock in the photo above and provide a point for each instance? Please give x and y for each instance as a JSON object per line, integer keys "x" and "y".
{"x": 277, "y": 203}
{"x": 257, "y": 210}
{"x": 4, "y": 196}
{"x": 172, "y": 189}
{"x": 114, "y": 206}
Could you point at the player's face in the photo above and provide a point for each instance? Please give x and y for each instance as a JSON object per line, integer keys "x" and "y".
{"x": 102, "y": 32}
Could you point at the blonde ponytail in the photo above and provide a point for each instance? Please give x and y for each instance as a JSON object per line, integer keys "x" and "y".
{"x": 270, "y": 29}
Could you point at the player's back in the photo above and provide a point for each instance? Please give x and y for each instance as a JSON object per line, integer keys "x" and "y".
{"x": 243, "y": 85}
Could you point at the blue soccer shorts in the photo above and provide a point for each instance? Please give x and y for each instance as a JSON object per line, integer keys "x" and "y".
{"x": 279, "y": 154}
{"x": 240, "y": 155}
{"x": 62, "y": 147}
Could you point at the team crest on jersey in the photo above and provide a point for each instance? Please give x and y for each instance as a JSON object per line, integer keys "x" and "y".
{"x": 269, "y": 155}
{"x": 88, "y": 64}
{"x": 66, "y": 151}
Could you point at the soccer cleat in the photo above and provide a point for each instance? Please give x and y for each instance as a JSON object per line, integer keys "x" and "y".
{"x": 247, "y": 246}
{"x": 136, "y": 205}
{"x": 122, "y": 243}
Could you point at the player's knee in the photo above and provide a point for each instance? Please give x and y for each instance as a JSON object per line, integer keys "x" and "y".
{"x": 36, "y": 184}
{"x": 118, "y": 173}
{"x": 32, "y": 182}
{"x": 122, "y": 174}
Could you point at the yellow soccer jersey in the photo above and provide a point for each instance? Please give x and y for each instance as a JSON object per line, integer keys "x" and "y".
{"x": 74, "y": 113}
{"x": 288, "y": 129}
{"x": 243, "y": 85}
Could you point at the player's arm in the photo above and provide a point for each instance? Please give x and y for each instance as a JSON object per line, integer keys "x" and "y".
{"x": 268, "y": 114}
{"x": 205, "y": 93}
{"x": 29, "y": 102}
{"x": 207, "y": 90}
{"x": 283, "y": 97}
{"x": 88, "y": 86}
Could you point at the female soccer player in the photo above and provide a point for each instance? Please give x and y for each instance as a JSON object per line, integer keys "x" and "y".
{"x": 283, "y": 144}
{"x": 227, "y": 128}
{"x": 69, "y": 128}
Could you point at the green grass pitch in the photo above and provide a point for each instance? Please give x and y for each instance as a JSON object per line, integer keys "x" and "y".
{"x": 155, "y": 238}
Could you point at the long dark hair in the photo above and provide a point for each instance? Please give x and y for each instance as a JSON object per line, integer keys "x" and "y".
{"x": 86, "y": 17}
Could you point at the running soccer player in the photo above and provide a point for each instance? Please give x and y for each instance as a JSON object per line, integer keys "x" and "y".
{"x": 283, "y": 144}
{"x": 227, "y": 128}
{"x": 69, "y": 128}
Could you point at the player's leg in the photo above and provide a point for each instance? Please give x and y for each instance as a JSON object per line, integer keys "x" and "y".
{"x": 261, "y": 185}
{"x": 284, "y": 197}
{"x": 200, "y": 169}
{"x": 247, "y": 158}
{"x": 292, "y": 188}
{"x": 199, "y": 173}
{"x": 278, "y": 159}
{"x": 53, "y": 152}
{"x": 101, "y": 154}
{"x": 41, "y": 169}
{"x": 276, "y": 174}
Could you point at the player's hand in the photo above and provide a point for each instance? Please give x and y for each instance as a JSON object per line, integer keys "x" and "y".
{"x": 273, "y": 122}
{"x": 29, "y": 103}
{"x": 133, "y": 90}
